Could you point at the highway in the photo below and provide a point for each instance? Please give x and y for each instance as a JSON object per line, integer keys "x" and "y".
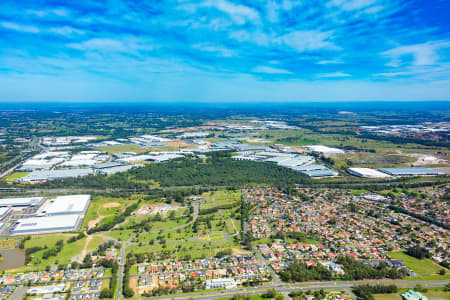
{"x": 286, "y": 288}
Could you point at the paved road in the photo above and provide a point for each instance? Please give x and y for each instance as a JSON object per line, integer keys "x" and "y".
{"x": 286, "y": 288}
{"x": 19, "y": 293}
{"x": 276, "y": 279}
{"x": 120, "y": 275}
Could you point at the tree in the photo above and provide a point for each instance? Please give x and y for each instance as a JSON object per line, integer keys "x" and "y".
{"x": 418, "y": 252}
{"x": 106, "y": 293}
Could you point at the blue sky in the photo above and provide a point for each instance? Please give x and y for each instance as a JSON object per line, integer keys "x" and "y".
{"x": 224, "y": 50}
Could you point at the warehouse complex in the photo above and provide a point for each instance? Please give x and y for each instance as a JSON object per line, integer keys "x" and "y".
{"x": 323, "y": 149}
{"x": 18, "y": 202}
{"x": 47, "y": 224}
{"x": 392, "y": 172}
{"x": 42, "y": 215}
{"x": 367, "y": 173}
{"x": 316, "y": 171}
{"x": 66, "y": 205}
{"x": 400, "y": 172}
{"x": 39, "y": 176}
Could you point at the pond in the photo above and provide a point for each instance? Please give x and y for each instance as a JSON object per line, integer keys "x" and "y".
{"x": 12, "y": 258}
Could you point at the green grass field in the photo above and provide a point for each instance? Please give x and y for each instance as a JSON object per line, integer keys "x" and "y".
{"x": 68, "y": 251}
{"x": 15, "y": 176}
{"x": 125, "y": 148}
{"x": 424, "y": 267}
{"x": 213, "y": 237}
{"x": 182, "y": 249}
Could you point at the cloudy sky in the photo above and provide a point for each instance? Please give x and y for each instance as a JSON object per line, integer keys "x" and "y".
{"x": 224, "y": 50}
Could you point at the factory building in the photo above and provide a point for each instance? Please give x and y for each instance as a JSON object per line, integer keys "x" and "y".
{"x": 109, "y": 164}
{"x": 409, "y": 172}
{"x": 316, "y": 171}
{"x": 323, "y": 149}
{"x": 163, "y": 157}
{"x": 37, "y": 225}
{"x": 39, "y": 176}
{"x": 290, "y": 160}
{"x": 118, "y": 169}
{"x": 367, "y": 173}
{"x": 66, "y": 205}
{"x": 20, "y": 202}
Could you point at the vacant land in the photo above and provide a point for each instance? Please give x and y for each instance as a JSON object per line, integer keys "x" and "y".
{"x": 424, "y": 267}
{"x": 15, "y": 176}
{"x": 8, "y": 243}
{"x": 125, "y": 148}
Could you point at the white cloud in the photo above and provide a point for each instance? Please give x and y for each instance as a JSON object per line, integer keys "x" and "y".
{"x": 19, "y": 27}
{"x": 257, "y": 37}
{"x": 329, "y": 62}
{"x": 270, "y": 70}
{"x": 350, "y": 5}
{"x": 62, "y": 12}
{"x": 420, "y": 72}
{"x": 308, "y": 40}
{"x": 221, "y": 51}
{"x": 272, "y": 8}
{"x": 240, "y": 14}
{"x": 126, "y": 45}
{"x": 59, "y": 12}
{"x": 334, "y": 75}
{"x": 420, "y": 54}
{"x": 66, "y": 31}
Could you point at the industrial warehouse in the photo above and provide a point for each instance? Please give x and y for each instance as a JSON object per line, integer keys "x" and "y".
{"x": 47, "y": 224}
{"x": 392, "y": 172}
{"x": 43, "y": 215}
{"x": 367, "y": 173}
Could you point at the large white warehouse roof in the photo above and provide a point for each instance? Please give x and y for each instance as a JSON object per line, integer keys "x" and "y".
{"x": 324, "y": 149}
{"x": 367, "y": 173}
{"x": 47, "y": 224}
{"x": 30, "y": 201}
{"x": 72, "y": 204}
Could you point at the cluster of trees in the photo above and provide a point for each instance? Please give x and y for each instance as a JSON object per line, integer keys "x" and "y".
{"x": 223, "y": 253}
{"x": 246, "y": 238}
{"x": 299, "y": 295}
{"x": 272, "y": 294}
{"x": 208, "y": 211}
{"x": 298, "y": 272}
{"x": 101, "y": 249}
{"x": 53, "y": 251}
{"x": 30, "y": 251}
{"x": 76, "y": 238}
{"x": 117, "y": 220}
{"x": 215, "y": 171}
{"x": 22, "y": 242}
{"x": 418, "y": 252}
{"x": 109, "y": 292}
{"x": 356, "y": 270}
{"x": 365, "y": 291}
{"x": 87, "y": 262}
{"x": 127, "y": 291}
